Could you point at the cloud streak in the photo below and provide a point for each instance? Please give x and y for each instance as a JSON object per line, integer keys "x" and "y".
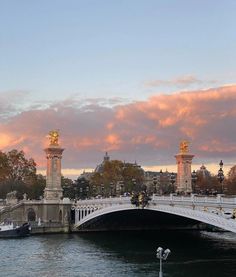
{"x": 180, "y": 82}
{"x": 147, "y": 131}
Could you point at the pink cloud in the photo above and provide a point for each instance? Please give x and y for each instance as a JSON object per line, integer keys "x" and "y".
{"x": 182, "y": 81}
{"x": 148, "y": 131}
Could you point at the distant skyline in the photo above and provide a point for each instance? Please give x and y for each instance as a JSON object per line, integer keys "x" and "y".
{"x": 129, "y": 77}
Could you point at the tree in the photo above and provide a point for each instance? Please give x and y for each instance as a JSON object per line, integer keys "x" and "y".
{"x": 19, "y": 173}
{"x": 4, "y": 167}
{"x": 68, "y": 187}
{"x": 20, "y": 168}
{"x": 231, "y": 181}
{"x": 82, "y": 188}
{"x": 35, "y": 187}
{"x": 133, "y": 177}
{"x": 118, "y": 175}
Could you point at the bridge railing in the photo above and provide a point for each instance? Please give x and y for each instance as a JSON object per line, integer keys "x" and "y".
{"x": 108, "y": 201}
{"x": 196, "y": 199}
{"x": 163, "y": 199}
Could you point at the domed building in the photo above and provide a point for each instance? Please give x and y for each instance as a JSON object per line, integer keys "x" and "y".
{"x": 203, "y": 172}
{"x": 100, "y": 168}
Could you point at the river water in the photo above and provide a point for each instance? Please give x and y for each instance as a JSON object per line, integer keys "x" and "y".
{"x": 118, "y": 254}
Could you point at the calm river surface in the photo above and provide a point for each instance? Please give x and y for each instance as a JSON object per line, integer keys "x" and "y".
{"x": 120, "y": 254}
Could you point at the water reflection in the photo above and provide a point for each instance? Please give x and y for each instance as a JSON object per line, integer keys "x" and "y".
{"x": 120, "y": 254}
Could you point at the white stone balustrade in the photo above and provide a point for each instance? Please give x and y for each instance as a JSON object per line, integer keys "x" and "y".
{"x": 218, "y": 211}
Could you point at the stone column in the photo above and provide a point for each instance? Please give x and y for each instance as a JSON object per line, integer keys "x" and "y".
{"x": 184, "y": 172}
{"x": 53, "y": 190}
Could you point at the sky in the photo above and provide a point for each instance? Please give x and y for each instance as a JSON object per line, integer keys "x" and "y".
{"x": 130, "y": 77}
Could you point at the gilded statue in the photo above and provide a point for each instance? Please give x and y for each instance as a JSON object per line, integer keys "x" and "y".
{"x": 183, "y": 147}
{"x": 53, "y": 137}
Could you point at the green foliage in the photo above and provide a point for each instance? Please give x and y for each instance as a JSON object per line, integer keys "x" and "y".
{"x": 68, "y": 187}
{"x": 82, "y": 188}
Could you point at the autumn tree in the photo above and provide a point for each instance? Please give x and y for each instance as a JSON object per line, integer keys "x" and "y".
{"x": 231, "y": 181}
{"x": 19, "y": 173}
{"x": 116, "y": 173}
{"x": 20, "y": 167}
{"x": 4, "y": 167}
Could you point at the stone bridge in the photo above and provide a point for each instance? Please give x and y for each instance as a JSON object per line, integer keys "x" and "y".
{"x": 216, "y": 211}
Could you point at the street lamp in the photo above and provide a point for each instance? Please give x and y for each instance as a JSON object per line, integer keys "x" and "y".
{"x": 155, "y": 183}
{"x": 162, "y": 255}
{"x": 121, "y": 187}
{"x": 94, "y": 190}
{"x": 87, "y": 191}
{"x": 172, "y": 181}
{"x": 111, "y": 189}
{"x": 194, "y": 180}
{"x": 102, "y": 189}
{"x": 160, "y": 182}
{"x": 81, "y": 192}
{"x": 220, "y": 176}
{"x": 134, "y": 184}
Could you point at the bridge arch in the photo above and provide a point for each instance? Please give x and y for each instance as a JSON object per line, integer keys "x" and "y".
{"x": 186, "y": 212}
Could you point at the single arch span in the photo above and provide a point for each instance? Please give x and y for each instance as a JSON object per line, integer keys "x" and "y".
{"x": 201, "y": 215}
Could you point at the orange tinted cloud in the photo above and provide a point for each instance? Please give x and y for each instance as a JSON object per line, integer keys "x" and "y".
{"x": 113, "y": 141}
{"x": 148, "y": 131}
{"x": 9, "y": 139}
{"x": 181, "y": 81}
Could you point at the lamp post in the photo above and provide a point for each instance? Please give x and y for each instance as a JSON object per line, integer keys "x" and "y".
{"x": 121, "y": 187}
{"x": 172, "y": 181}
{"x": 154, "y": 184}
{"x": 194, "y": 180}
{"x": 134, "y": 184}
{"x": 102, "y": 190}
{"x": 111, "y": 189}
{"x": 160, "y": 182}
{"x": 162, "y": 255}
{"x": 81, "y": 192}
{"x": 87, "y": 191}
{"x": 220, "y": 176}
{"x": 94, "y": 190}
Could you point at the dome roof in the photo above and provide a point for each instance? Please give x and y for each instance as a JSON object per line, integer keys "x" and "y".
{"x": 203, "y": 170}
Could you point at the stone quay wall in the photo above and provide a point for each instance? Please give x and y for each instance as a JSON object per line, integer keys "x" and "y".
{"x": 44, "y": 216}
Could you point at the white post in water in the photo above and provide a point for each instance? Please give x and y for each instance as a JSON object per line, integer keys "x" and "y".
{"x": 162, "y": 255}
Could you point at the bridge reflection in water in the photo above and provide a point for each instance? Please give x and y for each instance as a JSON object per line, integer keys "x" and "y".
{"x": 161, "y": 212}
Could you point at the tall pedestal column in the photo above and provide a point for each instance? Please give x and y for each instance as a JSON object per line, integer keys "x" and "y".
{"x": 53, "y": 190}
{"x": 184, "y": 173}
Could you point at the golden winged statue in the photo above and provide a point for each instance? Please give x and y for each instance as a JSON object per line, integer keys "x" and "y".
{"x": 183, "y": 147}
{"x": 53, "y": 137}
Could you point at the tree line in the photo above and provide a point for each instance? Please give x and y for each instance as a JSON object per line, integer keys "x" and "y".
{"x": 19, "y": 173}
{"x": 211, "y": 185}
